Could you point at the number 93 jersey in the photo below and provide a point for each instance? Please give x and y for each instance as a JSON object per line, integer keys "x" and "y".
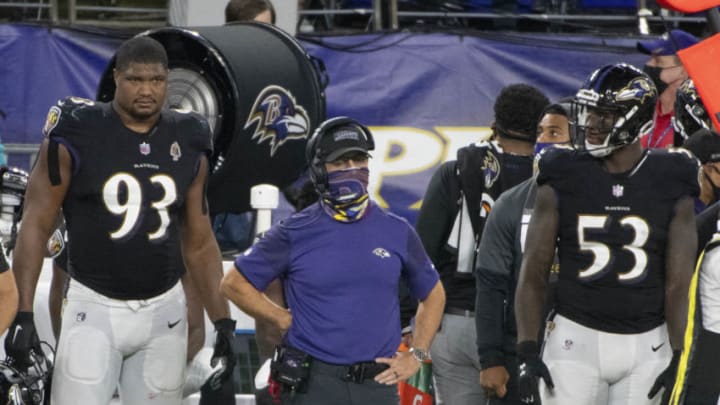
{"x": 612, "y": 235}
{"x": 126, "y": 194}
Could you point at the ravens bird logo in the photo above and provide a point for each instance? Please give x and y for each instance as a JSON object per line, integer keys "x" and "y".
{"x": 491, "y": 169}
{"x": 277, "y": 118}
{"x": 639, "y": 88}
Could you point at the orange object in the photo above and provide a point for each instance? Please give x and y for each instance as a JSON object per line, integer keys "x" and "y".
{"x": 688, "y": 6}
{"x": 700, "y": 62}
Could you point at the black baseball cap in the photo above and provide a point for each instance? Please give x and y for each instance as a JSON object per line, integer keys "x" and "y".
{"x": 705, "y": 145}
{"x": 341, "y": 140}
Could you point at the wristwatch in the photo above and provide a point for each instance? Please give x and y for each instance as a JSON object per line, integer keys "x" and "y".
{"x": 419, "y": 354}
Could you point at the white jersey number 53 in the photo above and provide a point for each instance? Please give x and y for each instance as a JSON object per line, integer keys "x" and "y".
{"x": 602, "y": 253}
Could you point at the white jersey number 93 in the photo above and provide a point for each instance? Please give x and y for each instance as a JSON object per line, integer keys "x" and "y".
{"x": 131, "y": 207}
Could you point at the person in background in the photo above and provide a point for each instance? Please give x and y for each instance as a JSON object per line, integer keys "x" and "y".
{"x": 498, "y": 266}
{"x": 341, "y": 260}
{"x": 690, "y": 112}
{"x": 250, "y": 10}
{"x": 705, "y": 145}
{"x": 457, "y": 201}
{"x": 667, "y": 73}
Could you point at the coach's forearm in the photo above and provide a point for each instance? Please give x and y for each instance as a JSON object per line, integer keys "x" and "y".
{"x": 251, "y": 301}
{"x": 428, "y": 317}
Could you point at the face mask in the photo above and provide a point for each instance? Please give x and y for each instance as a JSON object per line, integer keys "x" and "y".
{"x": 346, "y": 186}
{"x": 541, "y": 146}
{"x": 654, "y": 73}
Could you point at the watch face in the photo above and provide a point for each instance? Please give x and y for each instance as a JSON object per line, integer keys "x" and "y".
{"x": 419, "y": 354}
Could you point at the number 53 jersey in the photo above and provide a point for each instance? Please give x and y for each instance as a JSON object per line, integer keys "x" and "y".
{"x": 126, "y": 195}
{"x": 613, "y": 231}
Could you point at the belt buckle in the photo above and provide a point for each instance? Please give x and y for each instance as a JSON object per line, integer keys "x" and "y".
{"x": 355, "y": 373}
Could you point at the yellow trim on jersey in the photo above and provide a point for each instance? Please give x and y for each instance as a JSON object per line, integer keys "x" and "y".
{"x": 682, "y": 371}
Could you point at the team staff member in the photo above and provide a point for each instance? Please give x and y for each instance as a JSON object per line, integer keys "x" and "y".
{"x": 667, "y": 72}
{"x": 341, "y": 260}
{"x": 130, "y": 179}
{"x": 698, "y": 370}
{"x": 498, "y": 266}
{"x": 622, "y": 220}
{"x": 8, "y": 294}
{"x": 705, "y": 145}
{"x": 449, "y": 231}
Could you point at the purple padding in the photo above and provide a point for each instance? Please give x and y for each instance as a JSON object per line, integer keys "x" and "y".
{"x": 607, "y": 4}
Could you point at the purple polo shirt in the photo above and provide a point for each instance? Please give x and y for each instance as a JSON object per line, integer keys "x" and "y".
{"x": 341, "y": 280}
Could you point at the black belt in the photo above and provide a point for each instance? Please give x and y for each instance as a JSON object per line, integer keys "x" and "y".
{"x": 357, "y": 373}
{"x": 459, "y": 311}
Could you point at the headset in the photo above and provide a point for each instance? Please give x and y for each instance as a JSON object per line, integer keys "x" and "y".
{"x": 316, "y": 166}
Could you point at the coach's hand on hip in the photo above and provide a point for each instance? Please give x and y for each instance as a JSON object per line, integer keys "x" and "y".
{"x": 402, "y": 366}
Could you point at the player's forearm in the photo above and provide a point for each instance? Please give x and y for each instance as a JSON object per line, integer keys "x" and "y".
{"x": 27, "y": 263}
{"x": 206, "y": 271}
{"x": 428, "y": 317}
{"x": 529, "y": 299}
{"x": 676, "y": 314}
{"x": 8, "y": 300}
{"x": 680, "y": 261}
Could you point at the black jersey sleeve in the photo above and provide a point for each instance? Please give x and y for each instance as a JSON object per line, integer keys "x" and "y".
{"x": 196, "y": 128}
{"x": 69, "y": 117}
{"x": 681, "y": 170}
{"x": 556, "y": 166}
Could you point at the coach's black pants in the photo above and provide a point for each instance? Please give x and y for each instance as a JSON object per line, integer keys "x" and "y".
{"x": 326, "y": 386}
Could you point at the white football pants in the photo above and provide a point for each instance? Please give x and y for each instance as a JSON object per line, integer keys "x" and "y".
{"x": 591, "y": 367}
{"x": 138, "y": 346}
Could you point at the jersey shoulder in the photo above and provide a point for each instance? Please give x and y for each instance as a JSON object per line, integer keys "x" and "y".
{"x": 392, "y": 218}
{"x": 674, "y": 160}
{"x": 73, "y": 116}
{"x": 560, "y": 162}
{"x": 676, "y": 168}
{"x": 191, "y": 126}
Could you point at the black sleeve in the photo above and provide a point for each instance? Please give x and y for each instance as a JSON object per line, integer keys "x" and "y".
{"x": 494, "y": 274}
{"x": 438, "y": 211}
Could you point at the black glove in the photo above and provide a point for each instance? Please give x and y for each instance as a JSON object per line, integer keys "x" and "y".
{"x": 21, "y": 340}
{"x": 530, "y": 368}
{"x": 223, "y": 352}
{"x": 666, "y": 379}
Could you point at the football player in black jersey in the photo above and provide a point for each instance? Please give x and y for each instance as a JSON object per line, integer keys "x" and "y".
{"x": 129, "y": 177}
{"x": 622, "y": 220}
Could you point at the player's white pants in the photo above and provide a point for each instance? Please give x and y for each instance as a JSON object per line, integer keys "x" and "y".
{"x": 138, "y": 346}
{"x": 591, "y": 367}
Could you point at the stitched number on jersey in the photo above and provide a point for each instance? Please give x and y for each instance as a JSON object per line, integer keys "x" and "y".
{"x": 602, "y": 253}
{"x": 130, "y": 208}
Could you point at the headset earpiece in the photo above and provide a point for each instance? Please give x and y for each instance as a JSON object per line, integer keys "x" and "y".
{"x": 316, "y": 166}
